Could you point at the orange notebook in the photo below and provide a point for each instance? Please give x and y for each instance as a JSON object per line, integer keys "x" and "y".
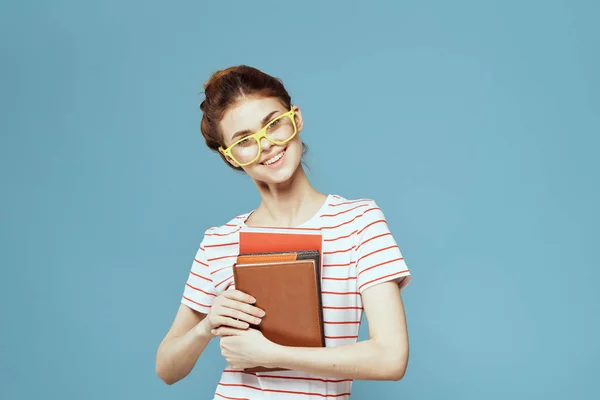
{"x": 272, "y": 240}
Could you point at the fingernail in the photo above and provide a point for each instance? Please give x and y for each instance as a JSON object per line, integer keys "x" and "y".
{"x": 256, "y": 321}
{"x": 252, "y": 300}
{"x": 261, "y": 313}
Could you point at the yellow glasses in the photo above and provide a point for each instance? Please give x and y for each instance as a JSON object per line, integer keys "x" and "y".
{"x": 247, "y": 150}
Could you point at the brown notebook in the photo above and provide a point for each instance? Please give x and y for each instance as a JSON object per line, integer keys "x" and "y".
{"x": 287, "y": 286}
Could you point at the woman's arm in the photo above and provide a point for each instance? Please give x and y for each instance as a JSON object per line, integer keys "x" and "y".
{"x": 179, "y": 350}
{"x": 384, "y": 356}
{"x": 191, "y": 331}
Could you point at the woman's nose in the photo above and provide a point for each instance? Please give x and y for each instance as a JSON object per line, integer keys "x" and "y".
{"x": 265, "y": 144}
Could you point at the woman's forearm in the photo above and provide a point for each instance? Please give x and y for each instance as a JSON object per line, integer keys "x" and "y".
{"x": 366, "y": 360}
{"x": 177, "y": 356}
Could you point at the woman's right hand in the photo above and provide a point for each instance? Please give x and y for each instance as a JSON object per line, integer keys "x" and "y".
{"x": 233, "y": 308}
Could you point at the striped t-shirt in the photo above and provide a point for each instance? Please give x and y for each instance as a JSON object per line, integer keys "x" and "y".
{"x": 358, "y": 252}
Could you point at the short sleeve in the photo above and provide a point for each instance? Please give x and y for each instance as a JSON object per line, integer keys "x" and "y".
{"x": 378, "y": 257}
{"x": 199, "y": 291}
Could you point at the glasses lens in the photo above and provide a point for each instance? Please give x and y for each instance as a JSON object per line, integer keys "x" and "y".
{"x": 245, "y": 151}
{"x": 280, "y": 130}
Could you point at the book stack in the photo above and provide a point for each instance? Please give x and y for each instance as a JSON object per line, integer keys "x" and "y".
{"x": 281, "y": 269}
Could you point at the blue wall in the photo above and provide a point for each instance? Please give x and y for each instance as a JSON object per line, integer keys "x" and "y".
{"x": 474, "y": 124}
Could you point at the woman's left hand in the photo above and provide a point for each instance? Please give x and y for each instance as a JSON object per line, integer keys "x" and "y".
{"x": 246, "y": 348}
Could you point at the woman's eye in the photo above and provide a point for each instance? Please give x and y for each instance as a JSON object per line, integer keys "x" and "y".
{"x": 273, "y": 124}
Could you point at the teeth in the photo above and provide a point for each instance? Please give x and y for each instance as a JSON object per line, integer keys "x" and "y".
{"x": 274, "y": 159}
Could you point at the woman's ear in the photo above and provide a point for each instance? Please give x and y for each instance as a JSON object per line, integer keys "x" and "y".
{"x": 233, "y": 163}
{"x": 229, "y": 159}
{"x": 298, "y": 118}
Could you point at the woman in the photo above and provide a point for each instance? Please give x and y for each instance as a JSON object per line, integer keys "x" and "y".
{"x": 248, "y": 118}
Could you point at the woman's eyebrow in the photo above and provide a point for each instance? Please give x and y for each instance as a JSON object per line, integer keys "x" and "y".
{"x": 263, "y": 122}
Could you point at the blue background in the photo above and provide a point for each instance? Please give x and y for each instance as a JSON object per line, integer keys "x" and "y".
{"x": 474, "y": 125}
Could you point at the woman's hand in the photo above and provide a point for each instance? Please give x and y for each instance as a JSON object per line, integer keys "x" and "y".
{"x": 232, "y": 308}
{"x": 246, "y": 348}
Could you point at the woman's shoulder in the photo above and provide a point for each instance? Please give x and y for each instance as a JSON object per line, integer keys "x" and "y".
{"x": 224, "y": 233}
{"x": 352, "y": 211}
{"x": 346, "y": 202}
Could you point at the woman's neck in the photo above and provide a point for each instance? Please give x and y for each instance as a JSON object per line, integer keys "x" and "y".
{"x": 288, "y": 204}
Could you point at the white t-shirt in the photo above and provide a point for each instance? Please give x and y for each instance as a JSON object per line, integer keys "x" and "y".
{"x": 358, "y": 252}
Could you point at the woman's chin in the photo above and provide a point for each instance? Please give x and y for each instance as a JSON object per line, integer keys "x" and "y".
{"x": 274, "y": 176}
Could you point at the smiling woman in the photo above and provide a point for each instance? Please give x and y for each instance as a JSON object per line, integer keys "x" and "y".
{"x": 249, "y": 120}
{"x": 225, "y": 119}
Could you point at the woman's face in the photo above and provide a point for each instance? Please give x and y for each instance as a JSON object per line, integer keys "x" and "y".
{"x": 276, "y": 163}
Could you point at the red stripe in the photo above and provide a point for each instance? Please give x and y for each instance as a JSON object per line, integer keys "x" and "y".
{"x": 341, "y": 237}
{"x": 284, "y": 391}
{"x": 200, "y": 262}
{"x": 231, "y": 398}
{"x": 224, "y": 280}
{"x": 375, "y": 252}
{"x": 373, "y": 238}
{"x": 200, "y": 276}
{"x": 200, "y": 290}
{"x": 345, "y": 211}
{"x": 302, "y": 378}
{"x": 340, "y": 293}
{"x": 342, "y": 322}
{"x": 220, "y": 269}
{"x": 221, "y": 245}
{"x": 381, "y": 278}
{"x": 195, "y": 302}
{"x": 352, "y": 220}
{"x": 341, "y": 337}
{"x": 223, "y": 234}
{"x": 339, "y": 251}
{"x": 379, "y": 221}
{"x": 348, "y": 202}
{"x": 342, "y": 308}
{"x": 380, "y": 264}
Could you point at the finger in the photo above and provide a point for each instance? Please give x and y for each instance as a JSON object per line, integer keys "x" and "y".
{"x": 234, "y": 323}
{"x": 243, "y": 307}
{"x": 252, "y": 310}
{"x": 236, "y": 314}
{"x": 226, "y": 331}
{"x": 239, "y": 296}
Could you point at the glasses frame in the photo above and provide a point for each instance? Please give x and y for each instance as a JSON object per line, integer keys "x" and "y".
{"x": 258, "y": 137}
